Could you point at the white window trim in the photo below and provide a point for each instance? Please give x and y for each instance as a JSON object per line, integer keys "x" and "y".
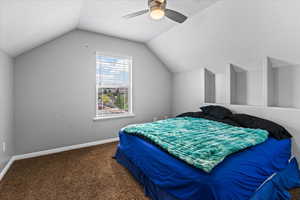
{"x": 126, "y": 115}
{"x": 130, "y": 99}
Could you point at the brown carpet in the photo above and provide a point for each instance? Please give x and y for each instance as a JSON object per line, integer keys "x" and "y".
{"x": 85, "y": 174}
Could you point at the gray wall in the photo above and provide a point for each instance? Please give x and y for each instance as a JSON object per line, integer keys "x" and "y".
{"x": 210, "y": 87}
{"x": 187, "y": 91}
{"x": 55, "y": 91}
{"x": 6, "y": 108}
{"x": 286, "y": 86}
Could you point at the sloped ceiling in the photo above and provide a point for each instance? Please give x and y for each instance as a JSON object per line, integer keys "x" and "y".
{"x": 25, "y": 24}
{"x": 105, "y": 16}
{"x": 241, "y": 32}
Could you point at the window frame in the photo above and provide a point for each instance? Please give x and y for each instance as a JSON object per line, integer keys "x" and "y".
{"x": 130, "y": 99}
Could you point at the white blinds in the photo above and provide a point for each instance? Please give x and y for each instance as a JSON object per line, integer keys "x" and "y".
{"x": 112, "y": 71}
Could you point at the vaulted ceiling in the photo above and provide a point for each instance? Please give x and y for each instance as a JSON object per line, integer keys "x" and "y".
{"x": 25, "y": 24}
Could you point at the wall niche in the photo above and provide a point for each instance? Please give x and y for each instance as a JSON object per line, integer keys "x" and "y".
{"x": 282, "y": 83}
{"x": 243, "y": 87}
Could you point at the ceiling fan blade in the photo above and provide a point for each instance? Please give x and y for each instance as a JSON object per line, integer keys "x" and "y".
{"x": 135, "y": 14}
{"x": 175, "y": 16}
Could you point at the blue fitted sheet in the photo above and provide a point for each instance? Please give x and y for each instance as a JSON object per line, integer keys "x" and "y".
{"x": 237, "y": 177}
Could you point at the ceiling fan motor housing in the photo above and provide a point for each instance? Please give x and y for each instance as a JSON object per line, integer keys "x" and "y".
{"x": 157, "y": 4}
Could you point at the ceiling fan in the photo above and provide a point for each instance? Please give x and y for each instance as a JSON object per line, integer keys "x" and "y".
{"x": 157, "y": 10}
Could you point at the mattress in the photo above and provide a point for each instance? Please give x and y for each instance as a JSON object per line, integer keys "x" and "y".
{"x": 237, "y": 177}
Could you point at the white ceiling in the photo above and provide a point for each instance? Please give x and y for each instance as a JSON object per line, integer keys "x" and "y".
{"x": 105, "y": 16}
{"x": 25, "y": 24}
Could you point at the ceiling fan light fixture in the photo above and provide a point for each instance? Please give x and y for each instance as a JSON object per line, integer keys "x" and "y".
{"x": 157, "y": 9}
{"x": 157, "y": 13}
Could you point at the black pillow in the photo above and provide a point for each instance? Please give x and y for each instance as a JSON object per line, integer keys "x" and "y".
{"x": 192, "y": 114}
{"x": 217, "y": 112}
{"x": 275, "y": 130}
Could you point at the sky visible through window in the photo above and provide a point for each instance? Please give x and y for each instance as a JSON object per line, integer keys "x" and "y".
{"x": 112, "y": 71}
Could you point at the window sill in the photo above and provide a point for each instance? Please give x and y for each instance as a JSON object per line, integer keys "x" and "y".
{"x": 114, "y": 116}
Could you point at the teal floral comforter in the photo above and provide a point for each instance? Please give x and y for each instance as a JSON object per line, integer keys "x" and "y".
{"x": 199, "y": 142}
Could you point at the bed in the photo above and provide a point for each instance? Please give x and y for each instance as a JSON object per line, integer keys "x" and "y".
{"x": 264, "y": 171}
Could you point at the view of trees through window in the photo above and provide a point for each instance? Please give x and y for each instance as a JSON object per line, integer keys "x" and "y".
{"x": 112, "y": 100}
{"x": 112, "y": 85}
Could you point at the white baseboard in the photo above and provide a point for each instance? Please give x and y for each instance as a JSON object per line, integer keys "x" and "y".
{"x": 6, "y": 168}
{"x": 66, "y": 148}
{"x": 52, "y": 151}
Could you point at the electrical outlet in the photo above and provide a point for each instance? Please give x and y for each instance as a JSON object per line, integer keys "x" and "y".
{"x": 3, "y": 146}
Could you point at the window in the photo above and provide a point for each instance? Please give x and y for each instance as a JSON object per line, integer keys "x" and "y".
{"x": 113, "y": 86}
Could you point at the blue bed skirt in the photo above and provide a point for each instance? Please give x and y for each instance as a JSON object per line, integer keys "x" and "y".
{"x": 274, "y": 188}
